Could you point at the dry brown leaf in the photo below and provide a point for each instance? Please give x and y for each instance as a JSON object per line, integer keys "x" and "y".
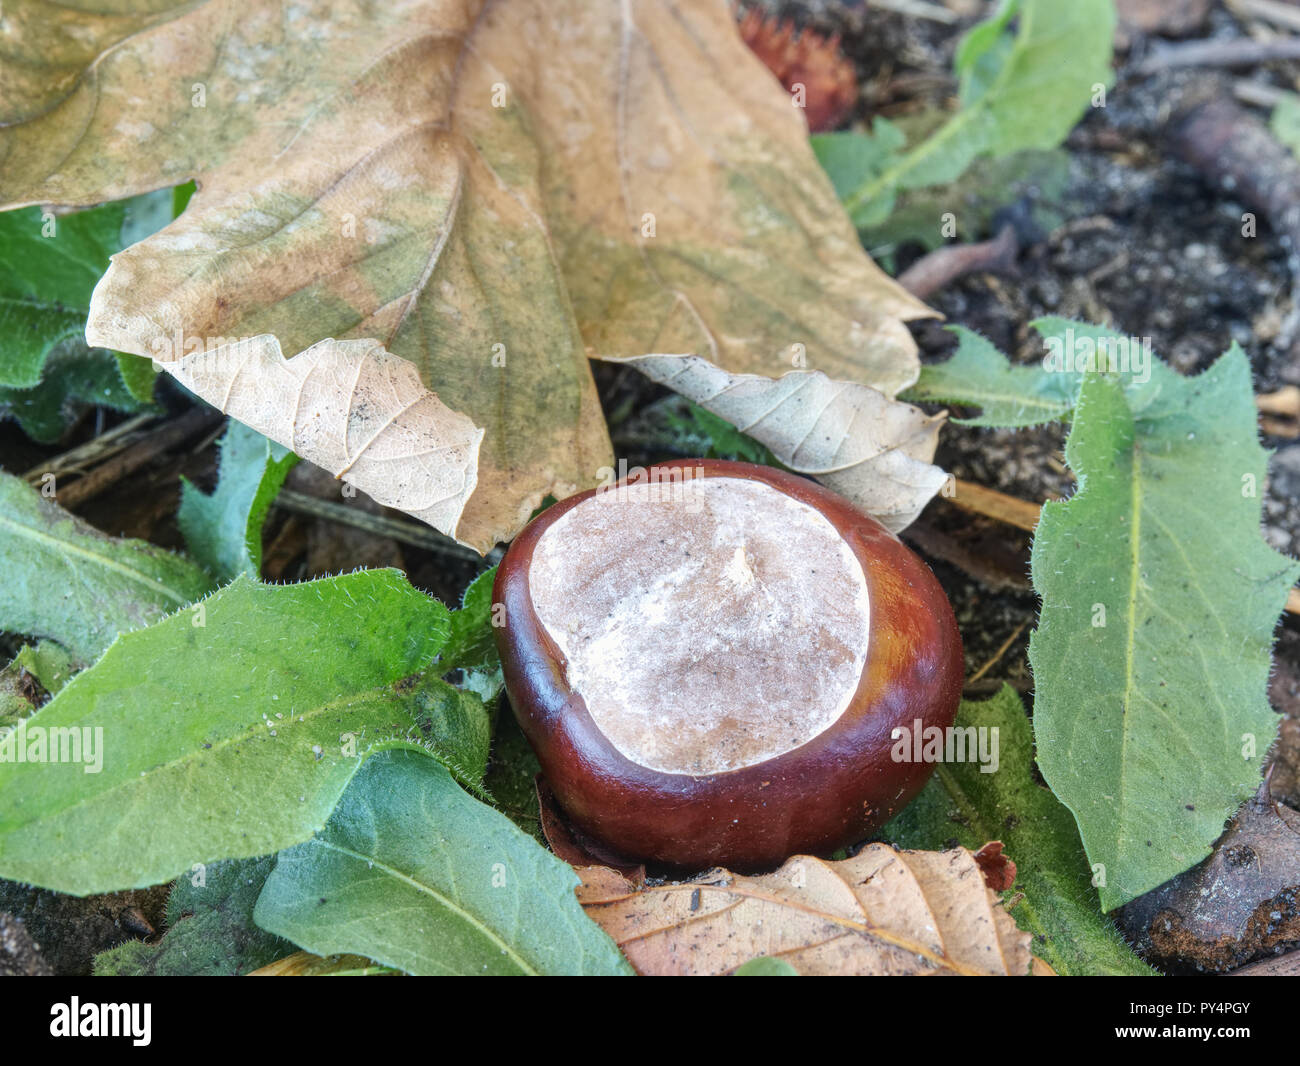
{"x": 999, "y": 871}
{"x": 490, "y": 191}
{"x": 882, "y": 912}
{"x": 867, "y": 447}
{"x": 356, "y": 410}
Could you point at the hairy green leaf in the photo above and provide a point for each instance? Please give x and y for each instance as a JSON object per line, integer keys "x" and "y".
{"x": 73, "y": 375}
{"x": 49, "y": 662}
{"x": 66, "y": 580}
{"x": 961, "y": 803}
{"x": 210, "y": 929}
{"x": 471, "y": 650}
{"x": 472, "y": 644}
{"x": 978, "y": 375}
{"x": 49, "y": 265}
{"x": 414, "y": 873}
{"x": 224, "y": 528}
{"x": 1159, "y": 600}
{"x": 458, "y": 726}
{"x": 225, "y": 731}
{"x": 714, "y": 437}
{"x": 44, "y": 664}
{"x": 138, "y": 375}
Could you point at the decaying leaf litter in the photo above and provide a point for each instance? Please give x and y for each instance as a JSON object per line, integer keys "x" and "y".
{"x": 515, "y": 214}
{"x": 1022, "y": 465}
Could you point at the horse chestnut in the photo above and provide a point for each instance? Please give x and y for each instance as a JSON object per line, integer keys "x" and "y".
{"x": 709, "y": 661}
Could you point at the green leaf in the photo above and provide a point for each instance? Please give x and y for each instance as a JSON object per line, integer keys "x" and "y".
{"x": 47, "y": 661}
{"x": 471, "y": 651}
{"x": 17, "y": 696}
{"x": 138, "y": 375}
{"x": 472, "y": 642}
{"x": 74, "y": 375}
{"x": 49, "y": 265}
{"x": 961, "y": 803}
{"x": 674, "y": 425}
{"x": 181, "y": 197}
{"x": 765, "y": 966}
{"x": 715, "y": 437}
{"x": 210, "y": 929}
{"x": 224, "y": 529}
{"x": 48, "y": 268}
{"x": 512, "y": 773}
{"x": 226, "y": 731}
{"x": 978, "y": 375}
{"x": 851, "y": 158}
{"x": 970, "y": 204}
{"x": 983, "y": 51}
{"x": 414, "y": 873}
{"x": 46, "y": 664}
{"x": 1285, "y": 121}
{"x": 1023, "y": 94}
{"x": 1159, "y": 599}
{"x": 304, "y": 964}
{"x": 458, "y": 726}
{"x": 66, "y": 580}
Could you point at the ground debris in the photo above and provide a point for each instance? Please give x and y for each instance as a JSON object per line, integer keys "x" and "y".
{"x": 20, "y": 955}
{"x": 1240, "y": 904}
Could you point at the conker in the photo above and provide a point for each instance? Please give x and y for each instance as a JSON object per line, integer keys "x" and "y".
{"x": 709, "y": 660}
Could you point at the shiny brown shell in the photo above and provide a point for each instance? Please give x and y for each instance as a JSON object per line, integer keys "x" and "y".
{"x": 830, "y": 792}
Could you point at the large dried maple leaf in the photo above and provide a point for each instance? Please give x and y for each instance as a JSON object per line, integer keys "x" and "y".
{"x": 882, "y": 912}
{"x": 490, "y": 192}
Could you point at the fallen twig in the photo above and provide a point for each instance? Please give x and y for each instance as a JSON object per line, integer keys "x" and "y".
{"x": 413, "y": 533}
{"x": 1279, "y": 14}
{"x": 932, "y": 272}
{"x": 997, "y": 655}
{"x": 987, "y": 686}
{"x": 1284, "y": 402}
{"x": 1236, "y": 151}
{"x": 1254, "y": 92}
{"x": 919, "y": 9}
{"x": 1238, "y": 52}
{"x": 164, "y": 438}
{"x": 75, "y": 460}
{"x": 979, "y": 499}
{"x": 1279, "y": 412}
{"x": 1287, "y": 965}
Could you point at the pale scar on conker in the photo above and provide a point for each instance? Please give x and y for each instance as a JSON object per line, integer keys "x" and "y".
{"x": 709, "y": 661}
